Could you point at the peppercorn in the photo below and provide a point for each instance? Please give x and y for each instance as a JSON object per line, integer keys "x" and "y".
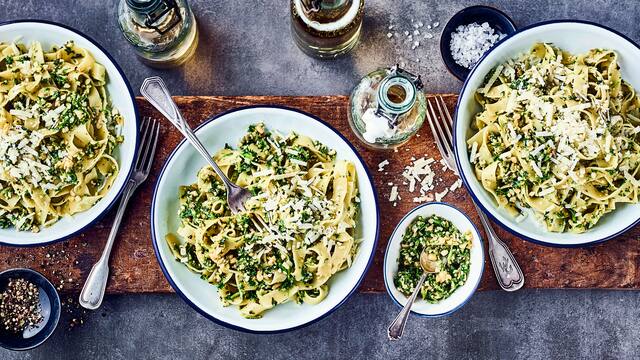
{"x": 20, "y": 306}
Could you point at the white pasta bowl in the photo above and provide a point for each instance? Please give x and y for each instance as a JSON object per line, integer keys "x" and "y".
{"x": 122, "y": 98}
{"x": 576, "y": 37}
{"x": 181, "y": 169}
{"x": 461, "y": 295}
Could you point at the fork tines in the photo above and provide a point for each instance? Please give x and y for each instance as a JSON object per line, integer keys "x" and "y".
{"x": 150, "y": 131}
{"x": 441, "y": 127}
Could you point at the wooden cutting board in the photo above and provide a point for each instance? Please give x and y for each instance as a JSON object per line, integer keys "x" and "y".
{"x": 134, "y": 269}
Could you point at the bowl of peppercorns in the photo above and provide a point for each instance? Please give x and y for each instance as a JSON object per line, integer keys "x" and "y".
{"x": 29, "y": 309}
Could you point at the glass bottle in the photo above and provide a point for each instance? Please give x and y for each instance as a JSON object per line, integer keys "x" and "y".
{"x": 326, "y": 28}
{"x": 163, "y": 32}
{"x": 387, "y": 107}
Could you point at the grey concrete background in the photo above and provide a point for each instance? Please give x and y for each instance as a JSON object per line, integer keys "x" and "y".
{"x": 245, "y": 49}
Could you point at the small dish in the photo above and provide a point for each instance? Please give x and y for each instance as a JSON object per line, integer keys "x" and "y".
{"x": 497, "y": 19}
{"x": 50, "y": 307}
{"x": 462, "y": 294}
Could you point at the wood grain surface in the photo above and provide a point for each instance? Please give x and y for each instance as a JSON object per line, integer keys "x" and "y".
{"x": 134, "y": 269}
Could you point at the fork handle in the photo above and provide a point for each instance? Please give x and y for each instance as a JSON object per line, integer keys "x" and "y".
{"x": 508, "y": 272}
{"x": 155, "y": 91}
{"x": 93, "y": 290}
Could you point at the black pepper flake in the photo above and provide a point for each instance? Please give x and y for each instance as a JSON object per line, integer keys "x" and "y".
{"x": 76, "y": 313}
{"x": 20, "y": 306}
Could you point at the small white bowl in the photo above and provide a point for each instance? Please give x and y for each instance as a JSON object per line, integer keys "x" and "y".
{"x": 122, "y": 98}
{"x": 577, "y": 37}
{"x": 463, "y": 293}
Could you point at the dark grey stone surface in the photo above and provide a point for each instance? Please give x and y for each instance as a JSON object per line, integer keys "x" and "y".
{"x": 245, "y": 49}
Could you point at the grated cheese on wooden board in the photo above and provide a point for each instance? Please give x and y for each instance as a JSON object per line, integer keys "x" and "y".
{"x": 420, "y": 176}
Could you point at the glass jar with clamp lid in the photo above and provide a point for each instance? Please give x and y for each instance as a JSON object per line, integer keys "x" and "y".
{"x": 387, "y": 107}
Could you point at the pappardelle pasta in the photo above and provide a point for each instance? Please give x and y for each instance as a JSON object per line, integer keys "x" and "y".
{"x": 309, "y": 201}
{"x": 58, "y": 132}
{"x": 558, "y": 134}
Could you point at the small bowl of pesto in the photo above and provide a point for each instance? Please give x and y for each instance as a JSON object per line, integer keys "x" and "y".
{"x": 452, "y": 241}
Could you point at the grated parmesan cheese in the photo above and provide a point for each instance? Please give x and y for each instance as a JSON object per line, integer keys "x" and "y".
{"x": 520, "y": 218}
{"x": 474, "y": 152}
{"x": 382, "y": 164}
{"x": 546, "y": 191}
{"x": 394, "y": 193}
{"x": 456, "y": 185}
{"x": 536, "y": 169}
{"x": 442, "y": 194}
{"x": 299, "y": 162}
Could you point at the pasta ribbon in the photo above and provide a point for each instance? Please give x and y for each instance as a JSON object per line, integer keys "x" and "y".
{"x": 58, "y": 132}
{"x": 309, "y": 201}
{"x": 558, "y": 134}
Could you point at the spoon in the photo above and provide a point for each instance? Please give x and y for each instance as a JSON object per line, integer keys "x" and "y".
{"x": 397, "y": 325}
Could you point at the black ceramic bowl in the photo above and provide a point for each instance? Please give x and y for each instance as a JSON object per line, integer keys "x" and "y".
{"x": 478, "y": 14}
{"x": 50, "y": 307}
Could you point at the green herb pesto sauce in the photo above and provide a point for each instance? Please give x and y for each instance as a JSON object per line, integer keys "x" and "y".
{"x": 444, "y": 244}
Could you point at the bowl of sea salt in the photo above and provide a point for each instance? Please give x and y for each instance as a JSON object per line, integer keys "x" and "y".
{"x": 469, "y": 34}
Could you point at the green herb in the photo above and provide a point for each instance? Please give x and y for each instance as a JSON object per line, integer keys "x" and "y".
{"x": 446, "y": 245}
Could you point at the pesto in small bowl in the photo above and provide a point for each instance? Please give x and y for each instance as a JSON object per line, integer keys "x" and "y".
{"x": 445, "y": 244}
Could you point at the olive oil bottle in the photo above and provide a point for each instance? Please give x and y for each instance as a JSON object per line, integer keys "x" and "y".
{"x": 163, "y": 33}
{"x": 326, "y": 28}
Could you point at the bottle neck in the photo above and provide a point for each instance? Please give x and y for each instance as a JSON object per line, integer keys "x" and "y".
{"x": 397, "y": 94}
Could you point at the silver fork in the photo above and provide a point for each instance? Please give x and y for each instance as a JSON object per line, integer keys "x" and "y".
{"x": 93, "y": 290}
{"x": 154, "y": 90}
{"x": 508, "y": 273}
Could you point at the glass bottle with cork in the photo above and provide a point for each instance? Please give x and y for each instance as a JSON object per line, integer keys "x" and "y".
{"x": 163, "y": 32}
{"x": 326, "y": 28}
{"x": 387, "y": 107}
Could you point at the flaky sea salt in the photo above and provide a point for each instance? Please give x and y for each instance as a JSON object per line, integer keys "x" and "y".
{"x": 470, "y": 42}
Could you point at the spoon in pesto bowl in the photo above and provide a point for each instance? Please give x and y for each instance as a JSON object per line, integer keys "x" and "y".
{"x": 397, "y": 325}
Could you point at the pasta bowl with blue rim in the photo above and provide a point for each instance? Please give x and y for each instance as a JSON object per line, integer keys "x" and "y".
{"x": 50, "y": 34}
{"x": 461, "y": 295}
{"x": 574, "y": 36}
{"x": 181, "y": 169}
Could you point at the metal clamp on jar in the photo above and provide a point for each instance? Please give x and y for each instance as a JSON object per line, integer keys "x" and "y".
{"x": 387, "y": 107}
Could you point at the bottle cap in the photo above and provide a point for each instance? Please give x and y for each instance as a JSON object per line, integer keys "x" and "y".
{"x": 154, "y": 10}
{"x": 143, "y": 6}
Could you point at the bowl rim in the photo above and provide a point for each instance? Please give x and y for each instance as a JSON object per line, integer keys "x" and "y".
{"x": 386, "y": 252}
{"x": 227, "y": 324}
{"x": 56, "y": 299}
{"x": 465, "y": 181}
{"x": 137, "y": 126}
{"x": 444, "y": 48}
